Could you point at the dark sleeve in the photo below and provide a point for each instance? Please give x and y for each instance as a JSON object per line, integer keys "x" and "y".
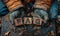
{"x": 54, "y": 10}
{"x": 3, "y": 9}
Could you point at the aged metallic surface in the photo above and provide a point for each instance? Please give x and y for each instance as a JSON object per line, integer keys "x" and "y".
{"x": 47, "y": 27}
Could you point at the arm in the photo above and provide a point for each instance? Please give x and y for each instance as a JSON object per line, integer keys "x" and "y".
{"x": 3, "y": 9}
{"x": 54, "y": 10}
